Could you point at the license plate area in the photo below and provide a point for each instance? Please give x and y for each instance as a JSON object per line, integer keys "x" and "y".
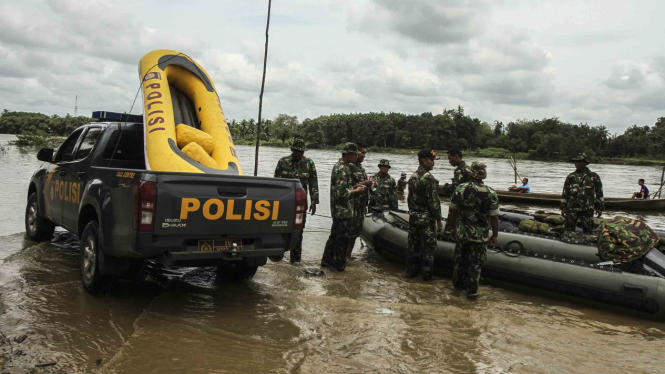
{"x": 219, "y": 245}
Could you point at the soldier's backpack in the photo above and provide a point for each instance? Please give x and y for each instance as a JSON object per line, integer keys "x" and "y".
{"x": 624, "y": 240}
{"x": 529, "y": 225}
{"x": 549, "y": 218}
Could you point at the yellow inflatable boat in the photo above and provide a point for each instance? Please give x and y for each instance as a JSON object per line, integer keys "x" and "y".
{"x": 185, "y": 127}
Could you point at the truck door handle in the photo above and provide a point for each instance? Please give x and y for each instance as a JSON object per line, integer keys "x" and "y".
{"x": 81, "y": 174}
{"x": 232, "y": 191}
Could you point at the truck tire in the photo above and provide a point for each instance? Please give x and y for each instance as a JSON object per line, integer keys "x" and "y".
{"x": 236, "y": 270}
{"x": 37, "y": 228}
{"x": 92, "y": 279}
{"x": 276, "y": 258}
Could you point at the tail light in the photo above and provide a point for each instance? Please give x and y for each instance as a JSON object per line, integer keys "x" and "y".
{"x": 301, "y": 209}
{"x": 145, "y": 197}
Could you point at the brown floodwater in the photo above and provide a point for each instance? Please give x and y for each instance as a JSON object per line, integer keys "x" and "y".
{"x": 368, "y": 319}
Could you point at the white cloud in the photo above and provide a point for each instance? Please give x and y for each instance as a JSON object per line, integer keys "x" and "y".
{"x": 425, "y": 21}
{"x": 344, "y": 56}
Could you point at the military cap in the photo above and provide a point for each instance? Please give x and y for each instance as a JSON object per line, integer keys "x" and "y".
{"x": 298, "y": 145}
{"x": 384, "y": 162}
{"x": 350, "y": 148}
{"x": 427, "y": 153}
{"x": 581, "y": 157}
{"x": 403, "y": 174}
{"x": 479, "y": 170}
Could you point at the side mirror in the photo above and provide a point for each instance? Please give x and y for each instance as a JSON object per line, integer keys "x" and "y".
{"x": 45, "y": 154}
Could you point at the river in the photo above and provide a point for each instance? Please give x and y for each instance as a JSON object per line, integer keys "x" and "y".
{"x": 368, "y": 319}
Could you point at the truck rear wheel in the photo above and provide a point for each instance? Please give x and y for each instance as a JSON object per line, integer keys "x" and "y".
{"x": 91, "y": 278}
{"x": 36, "y": 228}
{"x": 236, "y": 270}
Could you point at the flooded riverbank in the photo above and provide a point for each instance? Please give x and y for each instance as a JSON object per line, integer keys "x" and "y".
{"x": 369, "y": 319}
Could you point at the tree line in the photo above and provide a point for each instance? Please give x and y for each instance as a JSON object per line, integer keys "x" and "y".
{"x": 543, "y": 139}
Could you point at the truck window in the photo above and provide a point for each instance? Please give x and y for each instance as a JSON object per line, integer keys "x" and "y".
{"x": 128, "y": 150}
{"x": 88, "y": 143}
{"x": 66, "y": 151}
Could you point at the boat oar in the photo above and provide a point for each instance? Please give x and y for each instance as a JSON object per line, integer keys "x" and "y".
{"x": 514, "y": 166}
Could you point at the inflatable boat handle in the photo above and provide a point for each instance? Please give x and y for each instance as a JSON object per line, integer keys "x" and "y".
{"x": 631, "y": 288}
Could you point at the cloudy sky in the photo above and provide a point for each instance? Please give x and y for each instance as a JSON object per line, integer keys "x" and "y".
{"x": 594, "y": 61}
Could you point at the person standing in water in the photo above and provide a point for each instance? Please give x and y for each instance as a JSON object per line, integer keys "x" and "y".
{"x": 582, "y": 195}
{"x": 297, "y": 166}
{"x": 342, "y": 191}
{"x": 424, "y": 217}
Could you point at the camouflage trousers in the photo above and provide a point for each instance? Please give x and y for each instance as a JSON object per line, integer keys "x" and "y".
{"x": 573, "y": 216}
{"x": 469, "y": 260}
{"x": 296, "y": 252}
{"x": 334, "y": 254}
{"x": 422, "y": 244}
{"x": 358, "y": 221}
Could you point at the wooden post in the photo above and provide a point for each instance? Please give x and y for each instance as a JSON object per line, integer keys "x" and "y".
{"x": 515, "y": 168}
{"x": 662, "y": 181}
{"x": 263, "y": 83}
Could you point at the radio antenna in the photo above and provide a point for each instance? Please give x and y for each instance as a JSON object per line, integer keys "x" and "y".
{"x": 263, "y": 83}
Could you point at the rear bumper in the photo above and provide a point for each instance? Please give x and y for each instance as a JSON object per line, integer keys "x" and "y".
{"x": 172, "y": 250}
{"x": 256, "y": 257}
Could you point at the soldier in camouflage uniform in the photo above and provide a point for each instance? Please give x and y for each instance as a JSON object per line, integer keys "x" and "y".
{"x": 342, "y": 191}
{"x": 359, "y": 177}
{"x": 385, "y": 195}
{"x": 582, "y": 194}
{"x": 462, "y": 173}
{"x": 474, "y": 207}
{"x": 297, "y": 166}
{"x": 424, "y": 217}
{"x": 401, "y": 184}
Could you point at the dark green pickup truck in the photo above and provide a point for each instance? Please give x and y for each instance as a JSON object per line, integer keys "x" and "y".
{"x": 96, "y": 186}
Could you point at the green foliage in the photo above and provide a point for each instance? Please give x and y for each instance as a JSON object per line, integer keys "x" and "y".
{"x": 38, "y": 141}
{"x": 546, "y": 139}
{"x": 39, "y": 124}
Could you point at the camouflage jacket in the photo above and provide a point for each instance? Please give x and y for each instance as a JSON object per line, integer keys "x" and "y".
{"x": 475, "y": 203}
{"x": 385, "y": 195}
{"x": 341, "y": 182}
{"x": 624, "y": 240}
{"x": 401, "y": 185}
{"x": 462, "y": 174}
{"x": 358, "y": 175}
{"x": 304, "y": 170}
{"x": 583, "y": 192}
{"x": 423, "y": 199}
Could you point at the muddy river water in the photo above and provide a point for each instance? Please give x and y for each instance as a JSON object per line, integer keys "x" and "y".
{"x": 368, "y": 319}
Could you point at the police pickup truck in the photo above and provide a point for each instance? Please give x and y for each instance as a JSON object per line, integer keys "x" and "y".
{"x": 96, "y": 186}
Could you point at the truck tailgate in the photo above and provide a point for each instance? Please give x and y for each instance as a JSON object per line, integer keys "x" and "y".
{"x": 214, "y": 204}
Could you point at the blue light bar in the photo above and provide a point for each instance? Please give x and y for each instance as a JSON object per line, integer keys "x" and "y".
{"x": 117, "y": 117}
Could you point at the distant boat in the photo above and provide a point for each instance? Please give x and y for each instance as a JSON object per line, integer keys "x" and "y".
{"x": 611, "y": 203}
